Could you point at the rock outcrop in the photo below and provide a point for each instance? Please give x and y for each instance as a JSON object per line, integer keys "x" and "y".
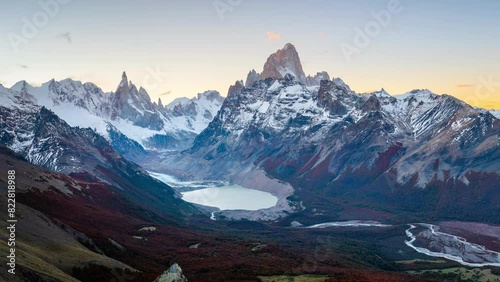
{"x": 173, "y": 274}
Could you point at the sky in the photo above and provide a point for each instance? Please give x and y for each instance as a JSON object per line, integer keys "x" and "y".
{"x": 179, "y": 48}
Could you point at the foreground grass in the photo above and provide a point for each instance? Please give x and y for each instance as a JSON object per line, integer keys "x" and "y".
{"x": 301, "y": 278}
{"x": 460, "y": 274}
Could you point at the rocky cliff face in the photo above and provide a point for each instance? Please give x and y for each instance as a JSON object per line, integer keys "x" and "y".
{"x": 252, "y": 77}
{"x": 284, "y": 61}
{"x": 238, "y": 85}
{"x": 316, "y": 79}
{"x": 132, "y": 104}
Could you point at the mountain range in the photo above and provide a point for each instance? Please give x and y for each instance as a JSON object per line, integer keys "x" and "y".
{"x": 326, "y": 152}
{"x": 312, "y": 132}
{"x": 419, "y": 152}
{"x": 126, "y": 117}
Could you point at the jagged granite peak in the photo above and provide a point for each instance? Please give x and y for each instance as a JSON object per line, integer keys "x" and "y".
{"x": 316, "y": 79}
{"x": 336, "y": 97}
{"x": 284, "y": 61}
{"x": 173, "y": 274}
{"x": 160, "y": 103}
{"x": 124, "y": 81}
{"x": 238, "y": 85}
{"x": 135, "y": 105}
{"x": 252, "y": 77}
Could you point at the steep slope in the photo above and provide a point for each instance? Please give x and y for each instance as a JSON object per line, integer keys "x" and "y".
{"x": 45, "y": 140}
{"x": 41, "y": 243}
{"x": 72, "y": 228}
{"x": 496, "y": 114}
{"x": 45, "y": 247}
{"x": 418, "y": 152}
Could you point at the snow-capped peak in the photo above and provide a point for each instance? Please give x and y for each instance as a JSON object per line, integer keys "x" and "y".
{"x": 211, "y": 95}
{"x": 381, "y": 93}
{"x": 177, "y": 101}
{"x": 193, "y": 115}
{"x": 496, "y": 114}
{"x": 20, "y": 85}
{"x": 422, "y": 93}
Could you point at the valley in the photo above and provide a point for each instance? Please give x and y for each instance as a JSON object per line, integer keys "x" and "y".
{"x": 289, "y": 177}
{"x": 427, "y": 240}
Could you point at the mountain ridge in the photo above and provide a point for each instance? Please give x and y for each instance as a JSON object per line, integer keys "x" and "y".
{"x": 337, "y": 142}
{"x": 128, "y": 111}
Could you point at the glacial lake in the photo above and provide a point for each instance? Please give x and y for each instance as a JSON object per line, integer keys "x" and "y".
{"x": 219, "y": 194}
{"x": 231, "y": 197}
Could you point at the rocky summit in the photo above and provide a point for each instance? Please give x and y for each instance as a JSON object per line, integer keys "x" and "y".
{"x": 284, "y": 61}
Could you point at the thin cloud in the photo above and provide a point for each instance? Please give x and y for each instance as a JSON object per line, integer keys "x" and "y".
{"x": 273, "y": 36}
{"x": 66, "y": 36}
{"x": 166, "y": 93}
{"x": 465, "y": 85}
{"x": 24, "y": 67}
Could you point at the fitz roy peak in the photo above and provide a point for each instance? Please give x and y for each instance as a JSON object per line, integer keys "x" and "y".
{"x": 404, "y": 152}
{"x": 285, "y": 61}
